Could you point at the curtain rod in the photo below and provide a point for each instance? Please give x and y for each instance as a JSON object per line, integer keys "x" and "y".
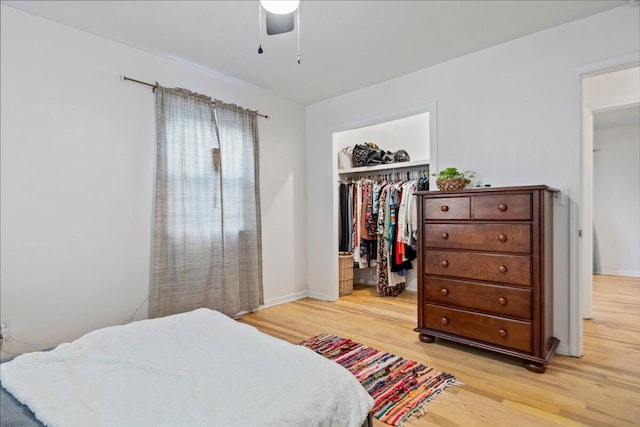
{"x": 156, "y": 84}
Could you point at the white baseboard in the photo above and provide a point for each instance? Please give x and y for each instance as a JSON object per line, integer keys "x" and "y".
{"x": 320, "y": 296}
{"x": 626, "y": 273}
{"x": 564, "y": 350}
{"x": 285, "y": 298}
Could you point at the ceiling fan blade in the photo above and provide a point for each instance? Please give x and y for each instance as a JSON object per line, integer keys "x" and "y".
{"x": 279, "y": 24}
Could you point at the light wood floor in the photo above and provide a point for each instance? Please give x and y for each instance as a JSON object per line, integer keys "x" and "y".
{"x": 602, "y": 388}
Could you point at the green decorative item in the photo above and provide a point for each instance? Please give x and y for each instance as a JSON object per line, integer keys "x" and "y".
{"x": 451, "y": 179}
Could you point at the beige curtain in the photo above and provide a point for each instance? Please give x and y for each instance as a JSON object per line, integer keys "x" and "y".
{"x": 207, "y": 245}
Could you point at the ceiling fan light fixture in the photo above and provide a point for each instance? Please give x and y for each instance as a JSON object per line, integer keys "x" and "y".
{"x": 280, "y": 7}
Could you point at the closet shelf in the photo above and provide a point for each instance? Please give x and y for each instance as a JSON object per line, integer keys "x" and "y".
{"x": 386, "y": 167}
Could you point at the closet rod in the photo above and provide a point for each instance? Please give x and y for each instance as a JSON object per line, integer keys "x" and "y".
{"x": 156, "y": 84}
{"x": 393, "y": 176}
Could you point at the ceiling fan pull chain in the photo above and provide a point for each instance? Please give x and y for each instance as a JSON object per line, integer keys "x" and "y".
{"x": 260, "y": 50}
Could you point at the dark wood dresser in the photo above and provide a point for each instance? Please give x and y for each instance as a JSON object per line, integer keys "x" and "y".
{"x": 485, "y": 276}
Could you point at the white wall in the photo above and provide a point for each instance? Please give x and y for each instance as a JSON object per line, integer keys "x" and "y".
{"x": 616, "y": 195}
{"x": 511, "y": 113}
{"x": 77, "y": 174}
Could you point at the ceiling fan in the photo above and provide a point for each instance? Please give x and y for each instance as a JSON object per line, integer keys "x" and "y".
{"x": 281, "y": 16}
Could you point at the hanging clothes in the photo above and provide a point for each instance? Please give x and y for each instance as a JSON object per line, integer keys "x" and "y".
{"x": 344, "y": 231}
{"x": 390, "y": 283}
{"x": 378, "y": 221}
{"x": 368, "y": 238}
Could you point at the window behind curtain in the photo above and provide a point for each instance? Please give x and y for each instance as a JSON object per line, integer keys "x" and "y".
{"x": 207, "y": 248}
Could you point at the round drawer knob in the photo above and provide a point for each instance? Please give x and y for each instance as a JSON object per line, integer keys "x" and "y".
{"x": 444, "y": 208}
{"x": 502, "y": 301}
{"x": 444, "y": 291}
{"x": 502, "y": 207}
{"x": 502, "y": 238}
{"x": 503, "y": 269}
{"x": 444, "y": 236}
{"x": 444, "y": 263}
{"x": 502, "y": 333}
{"x": 445, "y": 321}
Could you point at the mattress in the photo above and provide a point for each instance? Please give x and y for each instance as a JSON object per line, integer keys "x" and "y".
{"x": 190, "y": 369}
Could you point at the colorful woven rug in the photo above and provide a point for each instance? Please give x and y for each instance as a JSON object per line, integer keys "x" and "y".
{"x": 400, "y": 388}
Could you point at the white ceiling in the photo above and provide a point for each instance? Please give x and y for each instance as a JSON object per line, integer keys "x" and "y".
{"x": 345, "y": 45}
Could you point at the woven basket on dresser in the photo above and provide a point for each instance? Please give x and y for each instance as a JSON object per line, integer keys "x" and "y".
{"x": 345, "y": 269}
{"x": 451, "y": 184}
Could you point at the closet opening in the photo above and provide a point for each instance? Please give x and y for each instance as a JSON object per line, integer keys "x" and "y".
{"x": 400, "y": 152}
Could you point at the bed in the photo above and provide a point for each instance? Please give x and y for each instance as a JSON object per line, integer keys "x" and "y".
{"x": 192, "y": 369}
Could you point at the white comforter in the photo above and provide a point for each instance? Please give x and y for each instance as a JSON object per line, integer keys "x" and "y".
{"x": 194, "y": 369}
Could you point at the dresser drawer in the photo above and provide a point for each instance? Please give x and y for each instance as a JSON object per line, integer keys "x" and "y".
{"x": 503, "y": 207}
{"x": 512, "y": 238}
{"x": 495, "y": 299}
{"x": 445, "y": 208}
{"x": 512, "y": 269}
{"x": 492, "y": 329}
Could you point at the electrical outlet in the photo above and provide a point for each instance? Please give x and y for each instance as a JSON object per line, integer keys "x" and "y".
{"x": 5, "y": 329}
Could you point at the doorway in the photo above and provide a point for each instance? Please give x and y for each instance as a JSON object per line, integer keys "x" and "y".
{"x": 605, "y": 97}
{"x": 616, "y": 197}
